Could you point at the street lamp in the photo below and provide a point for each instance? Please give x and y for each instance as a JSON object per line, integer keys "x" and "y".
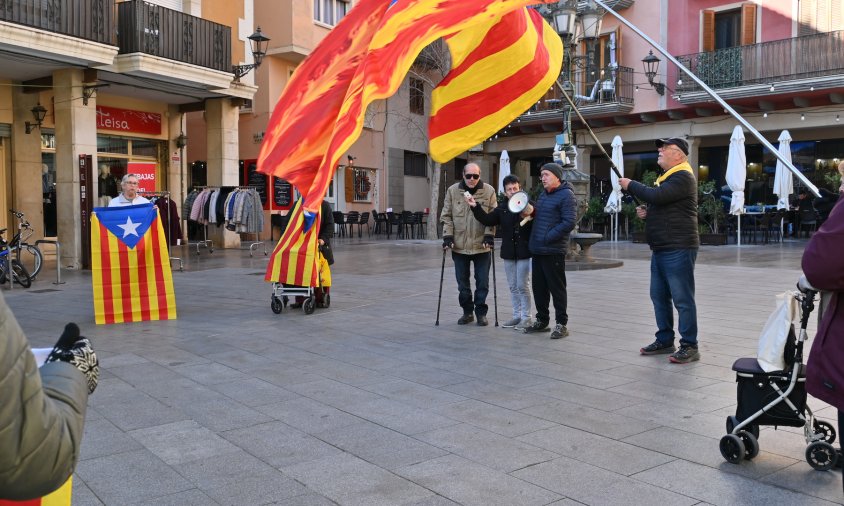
{"x": 258, "y": 42}
{"x": 651, "y": 65}
{"x": 38, "y": 113}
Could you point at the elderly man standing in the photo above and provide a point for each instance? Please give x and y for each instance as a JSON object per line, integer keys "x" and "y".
{"x": 469, "y": 241}
{"x": 554, "y": 215}
{"x": 130, "y": 196}
{"x": 672, "y": 233}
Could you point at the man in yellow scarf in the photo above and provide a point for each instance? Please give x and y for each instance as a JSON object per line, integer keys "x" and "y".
{"x": 672, "y": 233}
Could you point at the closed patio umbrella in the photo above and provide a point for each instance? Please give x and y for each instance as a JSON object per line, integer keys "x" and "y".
{"x": 614, "y": 200}
{"x": 503, "y": 170}
{"x": 736, "y": 175}
{"x": 783, "y": 180}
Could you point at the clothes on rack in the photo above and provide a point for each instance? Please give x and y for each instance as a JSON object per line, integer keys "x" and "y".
{"x": 238, "y": 208}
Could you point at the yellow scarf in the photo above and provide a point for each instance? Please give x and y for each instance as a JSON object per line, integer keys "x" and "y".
{"x": 672, "y": 170}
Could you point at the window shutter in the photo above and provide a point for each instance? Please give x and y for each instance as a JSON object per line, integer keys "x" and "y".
{"x": 836, "y": 19}
{"x": 748, "y": 23}
{"x": 708, "y": 30}
{"x": 349, "y": 184}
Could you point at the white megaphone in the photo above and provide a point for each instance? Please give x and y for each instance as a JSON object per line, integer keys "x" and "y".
{"x": 518, "y": 202}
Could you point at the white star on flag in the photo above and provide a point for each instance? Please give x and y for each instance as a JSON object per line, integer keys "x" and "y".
{"x": 129, "y": 228}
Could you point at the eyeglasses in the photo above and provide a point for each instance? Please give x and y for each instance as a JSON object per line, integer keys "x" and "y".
{"x": 472, "y": 176}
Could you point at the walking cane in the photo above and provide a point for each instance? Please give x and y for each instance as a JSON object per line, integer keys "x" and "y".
{"x": 440, "y": 298}
{"x": 494, "y": 289}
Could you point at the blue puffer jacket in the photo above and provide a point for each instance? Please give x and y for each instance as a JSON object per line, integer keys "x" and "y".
{"x": 554, "y": 218}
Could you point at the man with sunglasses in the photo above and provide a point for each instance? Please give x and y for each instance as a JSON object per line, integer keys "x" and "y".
{"x": 470, "y": 241}
{"x": 671, "y": 230}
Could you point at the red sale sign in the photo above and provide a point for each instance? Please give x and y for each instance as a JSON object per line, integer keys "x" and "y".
{"x": 146, "y": 175}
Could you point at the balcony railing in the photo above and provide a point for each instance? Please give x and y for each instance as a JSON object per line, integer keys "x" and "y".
{"x": 613, "y": 87}
{"x": 815, "y": 55}
{"x": 84, "y": 19}
{"x": 151, "y": 29}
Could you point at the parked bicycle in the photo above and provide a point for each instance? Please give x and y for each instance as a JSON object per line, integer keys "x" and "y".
{"x": 29, "y": 255}
{"x": 19, "y": 273}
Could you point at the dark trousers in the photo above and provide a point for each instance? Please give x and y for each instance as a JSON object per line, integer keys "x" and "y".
{"x": 549, "y": 281}
{"x": 476, "y": 304}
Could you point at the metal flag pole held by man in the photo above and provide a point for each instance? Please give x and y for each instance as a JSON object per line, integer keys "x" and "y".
{"x": 707, "y": 89}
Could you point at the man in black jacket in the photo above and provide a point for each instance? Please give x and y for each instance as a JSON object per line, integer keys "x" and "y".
{"x": 672, "y": 234}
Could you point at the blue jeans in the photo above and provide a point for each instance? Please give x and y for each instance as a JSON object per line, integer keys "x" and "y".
{"x": 461, "y": 272}
{"x": 673, "y": 280}
{"x": 518, "y": 277}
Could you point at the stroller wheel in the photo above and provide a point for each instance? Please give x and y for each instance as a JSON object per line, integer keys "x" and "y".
{"x": 821, "y": 455}
{"x": 275, "y": 305}
{"x": 309, "y": 305}
{"x": 826, "y": 430}
{"x": 732, "y": 421}
{"x": 751, "y": 445}
{"x": 732, "y": 448}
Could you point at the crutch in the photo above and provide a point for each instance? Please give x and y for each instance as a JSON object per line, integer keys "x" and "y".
{"x": 440, "y": 298}
{"x": 494, "y": 289}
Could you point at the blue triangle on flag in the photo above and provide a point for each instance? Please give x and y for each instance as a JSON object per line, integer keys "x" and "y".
{"x": 309, "y": 221}
{"x": 127, "y": 223}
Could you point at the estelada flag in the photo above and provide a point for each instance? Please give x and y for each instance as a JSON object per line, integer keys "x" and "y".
{"x": 60, "y": 497}
{"x": 132, "y": 279}
{"x": 294, "y": 259}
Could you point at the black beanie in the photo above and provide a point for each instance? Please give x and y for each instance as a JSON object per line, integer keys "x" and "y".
{"x": 554, "y": 168}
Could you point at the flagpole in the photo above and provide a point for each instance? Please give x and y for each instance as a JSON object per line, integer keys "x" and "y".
{"x": 717, "y": 98}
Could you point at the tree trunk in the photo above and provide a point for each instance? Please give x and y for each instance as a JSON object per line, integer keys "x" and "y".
{"x": 434, "y": 216}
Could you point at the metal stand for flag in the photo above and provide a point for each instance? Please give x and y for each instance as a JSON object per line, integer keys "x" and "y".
{"x": 166, "y": 196}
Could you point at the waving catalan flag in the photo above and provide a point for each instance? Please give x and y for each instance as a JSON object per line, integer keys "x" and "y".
{"x": 294, "y": 259}
{"x": 498, "y": 72}
{"x": 364, "y": 58}
{"x": 131, "y": 266}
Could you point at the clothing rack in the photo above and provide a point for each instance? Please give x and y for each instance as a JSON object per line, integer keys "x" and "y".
{"x": 166, "y": 196}
{"x": 253, "y": 245}
{"x": 205, "y": 241}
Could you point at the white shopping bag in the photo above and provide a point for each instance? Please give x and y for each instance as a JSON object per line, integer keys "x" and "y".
{"x": 775, "y": 333}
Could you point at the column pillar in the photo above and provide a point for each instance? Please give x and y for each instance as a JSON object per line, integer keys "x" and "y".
{"x": 694, "y": 146}
{"x": 583, "y": 160}
{"x": 221, "y": 119}
{"x": 25, "y": 173}
{"x": 76, "y": 134}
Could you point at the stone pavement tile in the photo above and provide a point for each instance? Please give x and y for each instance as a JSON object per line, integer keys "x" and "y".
{"x": 679, "y": 397}
{"x": 675, "y": 378}
{"x": 606, "y": 423}
{"x": 583, "y": 395}
{"x": 705, "y": 450}
{"x": 193, "y": 497}
{"x": 254, "y": 392}
{"x": 240, "y": 360}
{"x": 179, "y": 391}
{"x": 710, "y": 485}
{"x": 685, "y": 419}
{"x": 341, "y": 372}
{"x": 109, "y": 360}
{"x": 223, "y": 414}
{"x": 278, "y": 444}
{"x": 283, "y": 375}
{"x": 377, "y": 445}
{"x": 351, "y": 481}
{"x": 425, "y": 375}
{"x": 503, "y": 376}
{"x": 600, "y": 451}
{"x": 138, "y": 373}
{"x": 130, "y": 477}
{"x": 487, "y": 448}
{"x": 592, "y": 485}
{"x": 334, "y": 393}
{"x": 434, "y": 500}
{"x": 497, "y": 394}
{"x": 803, "y": 478}
{"x": 493, "y": 418}
{"x": 400, "y": 417}
{"x": 308, "y": 415}
{"x": 180, "y": 442}
{"x": 133, "y": 409}
{"x": 173, "y": 356}
{"x": 81, "y": 495}
{"x": 103, "y": 438}
{"x": 577, "y": 376}
{"x": 468, "y": 483}
{"x": 239, "y": 478}
{"x": 414, "y": 394}
{"x": 310, "y": 499}
{"x": 209, "y": 374}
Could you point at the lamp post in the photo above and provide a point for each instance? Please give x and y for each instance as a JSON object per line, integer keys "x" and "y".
{"x": 651, "y": 65}
{"x": 258, "y": 42}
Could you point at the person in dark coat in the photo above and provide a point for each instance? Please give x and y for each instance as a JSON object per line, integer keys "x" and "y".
{"x": 672, "y": 233}
{"x": 514, "y": 250}
{"x": 326, "y": 231}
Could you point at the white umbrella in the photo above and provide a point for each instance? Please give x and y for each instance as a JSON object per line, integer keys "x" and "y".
{"x": 736, "y": 175}
{"x": 503, "y": 170}
{"x": 614, "y": 201}
{"x": 783, "y": 184}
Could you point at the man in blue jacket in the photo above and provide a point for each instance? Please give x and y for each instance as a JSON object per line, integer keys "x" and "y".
{"x": 554, "y": 215}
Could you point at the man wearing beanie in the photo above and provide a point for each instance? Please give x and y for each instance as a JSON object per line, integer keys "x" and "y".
{"x": 672, "y": 233}
{"x": 554, "y": 216}
{"x": 469, "y": 241}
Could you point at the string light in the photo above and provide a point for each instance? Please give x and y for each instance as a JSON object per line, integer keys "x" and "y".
{"x": 837, "y": 117}
{"x": 811, "y": 88}
{"x": 772, "y": 87}
{"x": 679, "y": 82}
{"x": 765, "y": 115}
{"x": 802, "y": 117}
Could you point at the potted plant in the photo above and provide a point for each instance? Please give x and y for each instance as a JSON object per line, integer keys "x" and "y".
{"x": 629, "y": 210}
{"x": 594, "y": 216}
{"x": 711, "y": 215}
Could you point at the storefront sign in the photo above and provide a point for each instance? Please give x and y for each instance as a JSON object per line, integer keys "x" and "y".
{"x": 125, "y": 120}
{"x": 146, "y": 175}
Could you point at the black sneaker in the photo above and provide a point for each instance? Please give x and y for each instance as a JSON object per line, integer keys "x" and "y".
{"x": 657, "y": 348}
{"x": 537, "y": 326}
{"x": 466, "y": 318}
{"x": 560, "y": 331}
{"x": 482, "y": 321}
{"x": 684, "y": 355}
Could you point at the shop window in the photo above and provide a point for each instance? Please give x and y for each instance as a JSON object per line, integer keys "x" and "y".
{"x": 145, "y": 147}
{"x": 417, "y": 96}
{"x": 363, "y": 179}
{"x": 330, "y": 12}
{"x": 415, "y": 164}
{"x": 113, "y": 145}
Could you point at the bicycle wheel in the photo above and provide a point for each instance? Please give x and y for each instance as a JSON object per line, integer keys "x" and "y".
{"x": 31, "y": 258}
{"x": 20, "y": 274}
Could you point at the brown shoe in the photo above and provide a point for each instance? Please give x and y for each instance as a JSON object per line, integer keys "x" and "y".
{"x": 466, "y": 318}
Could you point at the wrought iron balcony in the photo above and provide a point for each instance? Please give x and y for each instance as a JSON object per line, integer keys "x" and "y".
{"x": 611, "y": 93}
{"x": 809, "y": 57}
{"x": 84, "y": 19}
{"x": 151, "y": 29}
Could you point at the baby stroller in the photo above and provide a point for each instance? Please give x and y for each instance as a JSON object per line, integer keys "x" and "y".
{"x": 314, "y": 296}
{"x": 778, "y": 398}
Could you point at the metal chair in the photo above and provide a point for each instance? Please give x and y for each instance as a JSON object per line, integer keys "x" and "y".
{"x": 352, "y": 218}
{"x": 363, "y": 221}
{"x": 807, "y": 218}
{"x": 339, "y": 223}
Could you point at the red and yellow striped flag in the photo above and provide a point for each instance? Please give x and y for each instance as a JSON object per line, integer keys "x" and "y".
{"x": 294, "y": 259}
{"x": 130, "y": 264}
{"x": 498, "y": 71}
{"x": 364, "y": 58}
{"x": 60, "y": 497}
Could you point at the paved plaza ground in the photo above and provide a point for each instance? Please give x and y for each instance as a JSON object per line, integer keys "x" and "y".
{"x": 369, "y": 403}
